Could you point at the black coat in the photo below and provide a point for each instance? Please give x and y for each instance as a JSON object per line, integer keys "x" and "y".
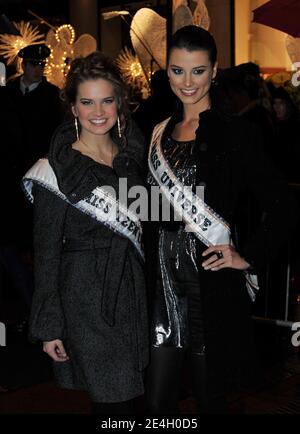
{"x": 36, "y": 115}
{"x": 27, "y": 124}
{"x": 89, "y": 281}
{"x": 12, "y": 158}
{"x": 231, "y": 165}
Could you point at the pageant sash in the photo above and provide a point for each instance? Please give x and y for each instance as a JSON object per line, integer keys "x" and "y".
{"x": 199, "y": 218}
{"x": 100, "y": 205}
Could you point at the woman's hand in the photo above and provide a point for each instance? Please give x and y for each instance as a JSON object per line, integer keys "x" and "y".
{"x": 225, "y": 256}
{"x": 56, "y": 350}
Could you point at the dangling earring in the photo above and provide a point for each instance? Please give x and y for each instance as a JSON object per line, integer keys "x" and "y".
{"x": 214, "y": 81}
{"x": 76, "y": 127}
{"x": 119, "y": 127}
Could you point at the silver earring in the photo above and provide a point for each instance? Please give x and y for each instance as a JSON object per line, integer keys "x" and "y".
{"x": 76, "y": 127}
{"x": 119, "y": 127}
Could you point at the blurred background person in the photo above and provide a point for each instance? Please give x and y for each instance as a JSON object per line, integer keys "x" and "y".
{"x": 248, "y": 97}
{"x": 36, "y": 103}
{"x": 287, "y": 129}
{"x": 157, "y": 107}
{"x": 30, "y": 111}
{"x": 16, "y": 282}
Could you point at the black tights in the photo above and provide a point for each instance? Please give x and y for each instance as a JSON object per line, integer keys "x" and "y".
{"x": 125, "y": 407}
{"x": 164, "y": 378}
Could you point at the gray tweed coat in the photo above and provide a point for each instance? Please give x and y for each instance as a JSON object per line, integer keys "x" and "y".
{"x": 89, "y": 281}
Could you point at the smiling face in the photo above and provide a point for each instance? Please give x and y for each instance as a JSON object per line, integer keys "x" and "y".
{"x": 190, "y": 74}
{"x": 96, "y": 107}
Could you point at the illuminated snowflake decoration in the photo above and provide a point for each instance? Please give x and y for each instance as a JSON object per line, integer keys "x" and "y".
{"x": 133, "y": 72}
{"x": 10, "y": 45}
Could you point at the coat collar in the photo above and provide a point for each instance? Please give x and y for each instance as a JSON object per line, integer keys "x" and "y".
{"x": 69, "y": 165}
{"x": 210, "y": 130}
{"x": 75, "y": 172}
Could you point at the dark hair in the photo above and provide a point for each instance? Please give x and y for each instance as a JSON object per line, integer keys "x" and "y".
{"x": 92, "y": 67}
{"x": 193, "y": 38}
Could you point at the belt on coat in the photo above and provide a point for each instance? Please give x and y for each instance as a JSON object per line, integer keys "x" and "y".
{"x": 73, "y": 244}
{"x": 112, "y": 280}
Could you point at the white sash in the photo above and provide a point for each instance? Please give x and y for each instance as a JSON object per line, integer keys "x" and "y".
{"x": 200, "y": 219}
{"x": 100, "y": 205}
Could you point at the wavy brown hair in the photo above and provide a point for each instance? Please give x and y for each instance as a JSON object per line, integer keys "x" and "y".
{"x": 92, "y": 67}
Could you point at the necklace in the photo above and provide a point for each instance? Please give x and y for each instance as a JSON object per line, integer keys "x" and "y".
{"x": 98, "y": 158}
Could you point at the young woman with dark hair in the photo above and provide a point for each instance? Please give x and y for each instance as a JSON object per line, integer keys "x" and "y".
{"x": 202, "y": 279}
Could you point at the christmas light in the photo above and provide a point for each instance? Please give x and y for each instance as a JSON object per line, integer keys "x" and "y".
{"x": 57, "y": 67}
{"x": 133, "y": 72}
{"x": 61, "y": 29}
{"x": 10, "y": 45}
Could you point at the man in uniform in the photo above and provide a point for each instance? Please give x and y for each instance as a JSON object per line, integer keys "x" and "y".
{"x": 36, "y": 103}
{"x": 30, "y": 111}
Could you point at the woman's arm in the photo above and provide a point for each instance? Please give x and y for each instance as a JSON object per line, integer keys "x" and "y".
{"x": 47, "y": 318}
{"x": 278, "y": 209}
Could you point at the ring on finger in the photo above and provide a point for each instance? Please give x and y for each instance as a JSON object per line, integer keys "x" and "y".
{"x": 220, "y": 254}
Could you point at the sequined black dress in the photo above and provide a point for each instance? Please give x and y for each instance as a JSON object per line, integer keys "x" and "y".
{"x": 177, "y": 317}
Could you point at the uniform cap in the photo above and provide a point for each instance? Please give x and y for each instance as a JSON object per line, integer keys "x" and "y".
{"x": 34, "y": 52}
